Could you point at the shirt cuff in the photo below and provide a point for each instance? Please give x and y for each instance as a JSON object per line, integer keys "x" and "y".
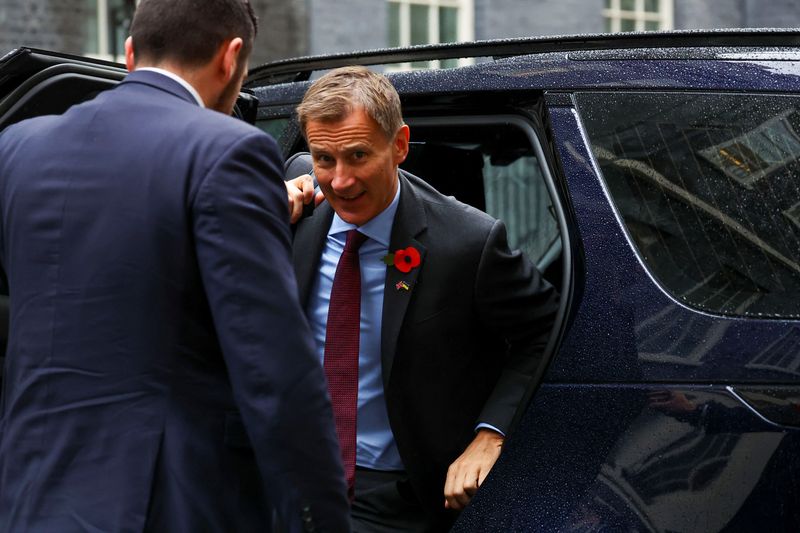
{"x": 484, "y": 425}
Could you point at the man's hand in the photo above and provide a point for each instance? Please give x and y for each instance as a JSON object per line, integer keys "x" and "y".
{"x": 670, "y": 402}
{"x": 467, "y": 473}
{"x": 301, "y": 192}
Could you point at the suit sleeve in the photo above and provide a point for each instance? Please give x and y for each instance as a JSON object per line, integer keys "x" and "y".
{"x": 240, "y": 219}
{"x": 516, "y": 303}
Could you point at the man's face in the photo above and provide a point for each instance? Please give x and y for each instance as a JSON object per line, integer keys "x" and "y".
{"x": 228, "y": 96}
{"x": 356, "y": 165}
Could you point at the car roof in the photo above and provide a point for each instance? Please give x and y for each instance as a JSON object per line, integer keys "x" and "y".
{"x": 648, "y": 44}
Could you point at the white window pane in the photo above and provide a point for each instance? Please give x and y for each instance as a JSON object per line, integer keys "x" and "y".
{"x": 394, "y": 24}
{"x": 90, "y": 45}
{"x": 419, "y": 24}
{"x": 448, "y": 24}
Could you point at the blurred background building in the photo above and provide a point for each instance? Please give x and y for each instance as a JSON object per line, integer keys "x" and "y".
{"x": 301, "y": 27}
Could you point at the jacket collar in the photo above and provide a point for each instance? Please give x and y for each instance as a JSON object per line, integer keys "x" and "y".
{"x": 160, "y": 82}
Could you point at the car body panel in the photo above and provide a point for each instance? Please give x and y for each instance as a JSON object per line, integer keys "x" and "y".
{"x": 599, "y": 458}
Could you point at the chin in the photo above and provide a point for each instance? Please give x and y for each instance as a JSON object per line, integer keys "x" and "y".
{"x": 352, "y": 218}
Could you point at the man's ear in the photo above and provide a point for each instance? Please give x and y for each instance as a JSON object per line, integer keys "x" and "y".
{"x": 130, "y": 62}
{"x": 400, "y": 144}
{"x": 231, "y": 55}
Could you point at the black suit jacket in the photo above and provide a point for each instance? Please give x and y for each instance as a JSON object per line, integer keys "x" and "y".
{"x": 460, "y": 346}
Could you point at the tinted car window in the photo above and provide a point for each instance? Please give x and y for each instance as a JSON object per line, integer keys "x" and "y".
{"x": 274, "y": 126}
{"x": 708, "y": 186}
{"x": 492, "y": 167}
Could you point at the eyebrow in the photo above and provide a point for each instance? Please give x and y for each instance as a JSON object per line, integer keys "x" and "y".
{"x": 364, "y": 147}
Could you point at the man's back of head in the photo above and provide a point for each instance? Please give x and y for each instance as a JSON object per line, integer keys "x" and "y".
{"x": 189, "y": 33}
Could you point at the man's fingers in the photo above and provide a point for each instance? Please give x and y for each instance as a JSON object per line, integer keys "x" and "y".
{"x": 460, "y": 494}
{"x": 306, "y": 184}
{"x": 300, "y": 191}
{"x": 469, "y": 471}
{"x": 460, "y": 486}
{"x": 482, "y": 476}
{"x": 295, "y": 203}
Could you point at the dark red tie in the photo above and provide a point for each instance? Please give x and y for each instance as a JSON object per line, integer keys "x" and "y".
{"x": 341, "y": 350}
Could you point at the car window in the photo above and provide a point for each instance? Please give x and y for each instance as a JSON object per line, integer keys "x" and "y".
{"x": 275, "y": 126}
{"x": 708, "y": 187}
{"x": 491, "y": 165}
{"x": 279, "y": 122}
{"x": 51, "y": 97}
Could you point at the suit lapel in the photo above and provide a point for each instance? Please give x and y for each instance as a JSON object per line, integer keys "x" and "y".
{"x": 409, "y": 222}
{"x": 309, "y": 240}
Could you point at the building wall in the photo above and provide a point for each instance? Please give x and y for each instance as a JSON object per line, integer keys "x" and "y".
{"x": 49, "y": 24}
{"x": 61, "y": 25}
{"x": 347, "y": 25}
{"x": 517, "y": 18}
{"x": 695, "y": 14}
{"x": 283, "y": 30}
{"x": 290, "y": 28}
{"x": 496, "y": 19}
{"x": 772, "y": 14}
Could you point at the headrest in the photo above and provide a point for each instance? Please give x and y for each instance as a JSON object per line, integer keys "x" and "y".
{"x": 297, "y": 165}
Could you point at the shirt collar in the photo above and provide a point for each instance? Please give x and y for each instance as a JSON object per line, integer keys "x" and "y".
{"x": 186, "y": 85}
{"x": 378, "y": 228}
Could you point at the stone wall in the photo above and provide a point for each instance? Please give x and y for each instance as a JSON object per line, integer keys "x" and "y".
{"x": 49, "y": 24}
{"x": 497, "y": 19}
{"x": 61, "y": 25}
{"x": 290, "y": 28}
{"x": 347, "y": 25}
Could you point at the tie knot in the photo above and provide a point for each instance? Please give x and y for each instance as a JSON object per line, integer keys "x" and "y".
{"x": 354, "y": 240}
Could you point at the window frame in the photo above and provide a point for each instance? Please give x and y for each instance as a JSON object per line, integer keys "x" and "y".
{"x": 104, "y": 34}
{"x": 465, "y": 26}
{"x": 528, "y": 129}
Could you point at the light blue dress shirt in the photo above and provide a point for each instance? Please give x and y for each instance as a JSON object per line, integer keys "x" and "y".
{"x": 375, "y": 446}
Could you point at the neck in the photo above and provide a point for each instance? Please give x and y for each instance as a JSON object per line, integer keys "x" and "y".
{"x": 196, "y": 77}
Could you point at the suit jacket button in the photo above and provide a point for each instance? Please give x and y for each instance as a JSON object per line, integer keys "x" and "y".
{"x": 308, "y": 521}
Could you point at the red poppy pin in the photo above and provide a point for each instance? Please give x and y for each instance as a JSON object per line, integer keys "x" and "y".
{"x": 403, "y": 260}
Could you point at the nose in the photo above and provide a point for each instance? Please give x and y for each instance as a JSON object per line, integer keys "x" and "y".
{"x": 343, "y": 178}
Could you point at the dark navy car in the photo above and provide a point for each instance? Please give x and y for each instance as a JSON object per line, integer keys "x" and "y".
{"x": 655, "y": 179}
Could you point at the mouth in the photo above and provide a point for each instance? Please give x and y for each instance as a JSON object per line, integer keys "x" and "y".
{"x": 350, "y": 198}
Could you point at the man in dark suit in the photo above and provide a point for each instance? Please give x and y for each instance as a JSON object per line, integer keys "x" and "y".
{"x": 450, "y": 325}
{"x": 155, "y": 327}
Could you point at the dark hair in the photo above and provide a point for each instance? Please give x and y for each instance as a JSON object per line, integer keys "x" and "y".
{"x": 341, "y": 91}
{"x": 190, "y": 32}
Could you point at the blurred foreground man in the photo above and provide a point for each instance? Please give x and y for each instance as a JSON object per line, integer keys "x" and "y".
{"x": 429, "y": 327}
{"x": 155, "y": 327}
